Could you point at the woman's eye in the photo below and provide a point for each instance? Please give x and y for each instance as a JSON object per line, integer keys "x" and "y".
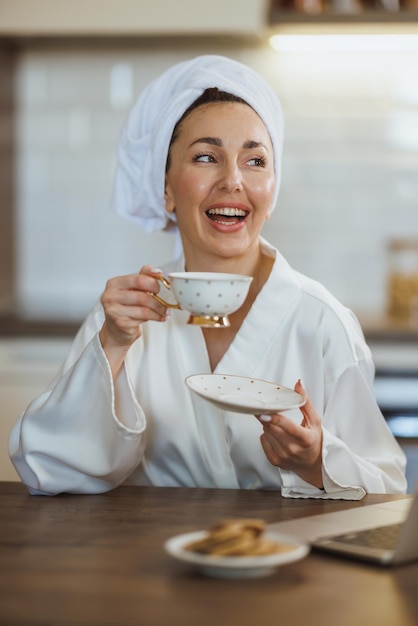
{"x": 258, "y": 161}
{"x": 204, "y": 158}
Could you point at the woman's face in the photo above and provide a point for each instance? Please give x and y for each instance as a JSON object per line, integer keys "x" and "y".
{"x": 220, "y": 182}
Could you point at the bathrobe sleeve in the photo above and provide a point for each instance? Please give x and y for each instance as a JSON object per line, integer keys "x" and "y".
{"x": 73, "y": 438}
{"x": 359, "y": 453}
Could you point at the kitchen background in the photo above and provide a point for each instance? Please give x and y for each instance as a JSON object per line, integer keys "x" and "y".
{"x": 349, "y": 188}
{"x": 350, "y": 167}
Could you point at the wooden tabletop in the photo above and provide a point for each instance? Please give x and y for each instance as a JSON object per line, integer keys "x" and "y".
{"x": 80, "y": 560}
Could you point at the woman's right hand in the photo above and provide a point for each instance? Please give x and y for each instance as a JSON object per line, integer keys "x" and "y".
{"x": 128, "y": 302}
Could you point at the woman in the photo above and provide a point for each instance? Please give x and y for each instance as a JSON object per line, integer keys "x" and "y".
{"x": 201, "y": 152}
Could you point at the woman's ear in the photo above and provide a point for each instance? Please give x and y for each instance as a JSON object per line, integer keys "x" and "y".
{"x": 168, "y": 197}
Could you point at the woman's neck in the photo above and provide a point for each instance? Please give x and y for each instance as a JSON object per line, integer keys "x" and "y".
{"x": 249, "y": 264}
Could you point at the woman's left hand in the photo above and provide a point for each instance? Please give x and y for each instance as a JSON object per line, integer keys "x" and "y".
{"x": 295, "y": 447}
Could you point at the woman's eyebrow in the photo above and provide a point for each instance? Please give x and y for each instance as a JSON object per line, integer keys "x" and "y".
{"x": 215, "y": 141}
{"x": 250, "y": 143}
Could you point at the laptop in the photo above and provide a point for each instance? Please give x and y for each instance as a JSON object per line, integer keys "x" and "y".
{"x": 385, "y": 534}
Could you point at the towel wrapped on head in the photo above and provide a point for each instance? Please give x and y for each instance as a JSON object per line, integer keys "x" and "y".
{"x": 138, "y": 189}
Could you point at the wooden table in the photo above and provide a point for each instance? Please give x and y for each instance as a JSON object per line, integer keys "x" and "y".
{"x": 75, "y": 560}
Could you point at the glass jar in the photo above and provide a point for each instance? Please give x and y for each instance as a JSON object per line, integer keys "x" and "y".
{"x": 403, "y": 280}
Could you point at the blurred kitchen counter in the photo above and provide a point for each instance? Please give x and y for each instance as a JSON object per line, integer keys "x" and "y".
{"x": 394, "y": 344}
{"x": 377, "y": 328}
{"x": 14, "y": 326}
{"x": 384, "y": 328}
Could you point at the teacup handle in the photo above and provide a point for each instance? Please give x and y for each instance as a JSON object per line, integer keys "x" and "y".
{"x": 166, "y": 283}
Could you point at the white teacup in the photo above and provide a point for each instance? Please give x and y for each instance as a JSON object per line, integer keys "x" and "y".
{"x": 208, "y": 296}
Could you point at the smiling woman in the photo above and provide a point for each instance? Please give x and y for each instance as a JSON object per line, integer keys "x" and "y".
{"x": 211, "y": 171}
{"x": 214, "y": 172}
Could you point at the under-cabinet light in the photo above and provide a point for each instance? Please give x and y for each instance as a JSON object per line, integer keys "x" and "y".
{"x": 343, "y": 42}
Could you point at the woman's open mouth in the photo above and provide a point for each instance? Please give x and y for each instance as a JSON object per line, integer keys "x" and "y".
{"x": 226, "y": 215}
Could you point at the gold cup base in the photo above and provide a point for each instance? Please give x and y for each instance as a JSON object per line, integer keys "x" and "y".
{"x": 209, "y": 321}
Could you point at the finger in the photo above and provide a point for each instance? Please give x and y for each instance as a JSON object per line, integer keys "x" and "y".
{"x": 151, "y": 270}
{"x": 132, "y": 290}
{"x": 136, "y": 312}
{"x": 133, "y": 298}
{"x": 269, "y": 449}
{"x": 133, "y": 314}
{"x": 280, "y": 442}
{"x": 136, "y": 282}
{"x": 280, "y": 452}
{"x": 155, "y": 273}
{"x": 280, "y": 425}
{"x": 311, "y": 417}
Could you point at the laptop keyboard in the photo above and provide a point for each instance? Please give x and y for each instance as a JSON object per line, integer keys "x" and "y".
{"x": 383, "y": 537}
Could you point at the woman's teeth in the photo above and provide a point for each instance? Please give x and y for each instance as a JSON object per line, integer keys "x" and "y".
{"x": 227, "y": 212}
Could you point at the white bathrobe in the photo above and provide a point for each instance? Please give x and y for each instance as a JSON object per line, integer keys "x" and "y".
{"x": 73, "y": 438}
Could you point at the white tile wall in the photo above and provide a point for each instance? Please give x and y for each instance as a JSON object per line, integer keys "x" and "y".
{"x": 350, "y": 170}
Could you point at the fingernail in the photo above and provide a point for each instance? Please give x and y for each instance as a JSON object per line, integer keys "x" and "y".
{"x": 156, "y": 270}
{"x": 265, "y": 418}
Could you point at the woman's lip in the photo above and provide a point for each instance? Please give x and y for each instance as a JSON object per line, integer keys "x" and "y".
{"x": 227, "y": 227}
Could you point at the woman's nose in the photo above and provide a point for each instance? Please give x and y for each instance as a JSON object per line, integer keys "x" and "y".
{"x": 231, "y": 178}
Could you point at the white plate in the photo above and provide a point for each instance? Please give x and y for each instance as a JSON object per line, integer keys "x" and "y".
{"x": 244, "y": 395}
{"x": 235, "y": 566}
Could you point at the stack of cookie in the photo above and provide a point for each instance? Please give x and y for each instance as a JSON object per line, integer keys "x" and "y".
{"x": 237, "y": 537}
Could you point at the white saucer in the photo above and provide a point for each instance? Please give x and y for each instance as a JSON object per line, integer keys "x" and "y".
{"x": 235, "y": 566}
{"x": 244, "y": 395}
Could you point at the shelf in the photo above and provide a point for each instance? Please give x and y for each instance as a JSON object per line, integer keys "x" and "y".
{"x": 352, "y": 16}
{"x": 287, "y": 16}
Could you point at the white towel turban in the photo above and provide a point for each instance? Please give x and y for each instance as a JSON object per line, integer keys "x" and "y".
{"x": 138, "y": 189}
